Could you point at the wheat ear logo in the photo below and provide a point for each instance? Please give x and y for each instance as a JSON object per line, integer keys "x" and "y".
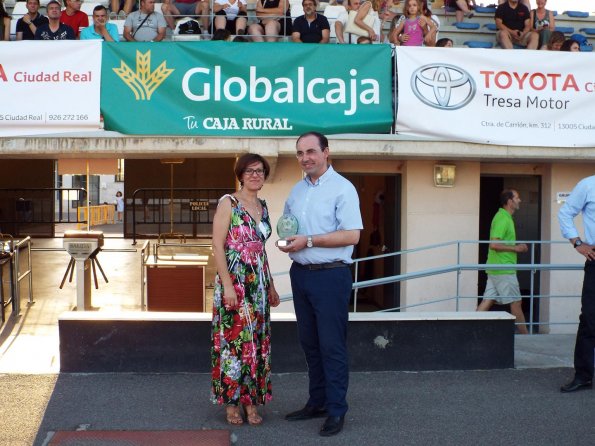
{"x": 143, "y": 82}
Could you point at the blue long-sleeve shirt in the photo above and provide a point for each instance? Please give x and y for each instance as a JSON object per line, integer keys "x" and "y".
{"x": 581, "y": 200}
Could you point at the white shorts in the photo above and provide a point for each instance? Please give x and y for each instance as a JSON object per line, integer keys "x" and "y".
{"x": 503, "y": 288}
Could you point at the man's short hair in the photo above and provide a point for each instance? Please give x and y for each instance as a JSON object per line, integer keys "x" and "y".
{"x": 505, "y": 195}
{"x": 322, "y": 140}
{"x": 99, "y": 8}
{"x": 52, "y": 2}
{"x": 313, "y": 1}
{"x": 36, "y": 1}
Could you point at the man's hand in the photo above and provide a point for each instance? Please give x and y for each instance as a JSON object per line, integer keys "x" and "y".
{"x": 296, "y": 243}
{"x": 586, "y": 250}
{"x": 521, "y": 247}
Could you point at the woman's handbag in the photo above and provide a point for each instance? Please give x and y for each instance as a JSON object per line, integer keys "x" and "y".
{"x": 352, "y": 28}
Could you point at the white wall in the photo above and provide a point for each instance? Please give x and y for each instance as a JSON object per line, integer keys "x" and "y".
{"x": 432, "y": 215}
{"x": 561, "y": 178}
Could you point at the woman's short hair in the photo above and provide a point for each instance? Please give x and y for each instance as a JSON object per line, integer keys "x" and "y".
{"x": 250, "y": 158}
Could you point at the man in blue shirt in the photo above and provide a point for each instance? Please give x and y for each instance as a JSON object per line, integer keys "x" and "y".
{"x": 582, "y": 200}
{"x": 101, "y": 29}
{"x": 326, "y": 206}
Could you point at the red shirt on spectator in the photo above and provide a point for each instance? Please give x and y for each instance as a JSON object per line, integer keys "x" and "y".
{"x": 76, "y": 21}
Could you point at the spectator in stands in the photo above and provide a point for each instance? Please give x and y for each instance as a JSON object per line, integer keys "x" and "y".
{"x": 514, "y": 26}
{"x": 231, "y": 15}
{"x": 145, "y": 25}
{"x": 341, "y": 22}
{"x": 542, "y": 22}
{"x": 273, "y": 20}
{"x": 433, "y": 26}
{"x": 311, "y": 27}
{"x": 74, "y": 17}
{"x": 27, "y": 25}
{"x": 527, "y": 3}
{"x": 444, "y": 43}
{"x": 100, "y": 29}
{"x": 412, "y": 30}
{"x": 179, "y": 8}
{"x": 4, "y": 23}
{"x": 369, "y": 7}
{"x": 555, "y": 43}
{"x": 54, "y": 30}
{"x": 463, "y": 8}
{"x": 570, "y": 45}
{"x": 121, "y": 8}
{"x": 385, "y": 10}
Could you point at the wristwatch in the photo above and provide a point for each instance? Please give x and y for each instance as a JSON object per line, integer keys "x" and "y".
{"x": 309, "y": 243}
{"x": 578, "y": 242}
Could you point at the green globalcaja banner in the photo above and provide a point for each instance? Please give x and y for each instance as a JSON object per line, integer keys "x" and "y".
{"x": 239, "y": 89}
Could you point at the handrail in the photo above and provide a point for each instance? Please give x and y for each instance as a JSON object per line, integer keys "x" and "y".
{"x": 458, "y": 268}
{"x": 29, "y": 273}
{"x": 145, "y": 252}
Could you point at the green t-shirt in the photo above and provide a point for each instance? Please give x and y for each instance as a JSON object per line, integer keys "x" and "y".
{"x": 502, "y": 228}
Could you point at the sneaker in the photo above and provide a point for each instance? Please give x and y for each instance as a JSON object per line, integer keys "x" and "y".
{"x": 113, "y": 15}
{"x": 469, "y": 15}
{"x": 241, "y": 32}
{"x": 122, "y": 15}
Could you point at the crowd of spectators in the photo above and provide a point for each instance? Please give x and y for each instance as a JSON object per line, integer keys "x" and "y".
{"x": 517, "y": 25}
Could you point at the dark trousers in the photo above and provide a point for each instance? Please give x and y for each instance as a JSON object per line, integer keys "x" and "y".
{"x": 321, "y": 302}
{"x": 585, "y": 336}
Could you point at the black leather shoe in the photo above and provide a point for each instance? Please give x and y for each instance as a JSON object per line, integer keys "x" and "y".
{"x": 332, "y": 426}
{"x": 576, "y": 384}
{"x": 306, "y": 413}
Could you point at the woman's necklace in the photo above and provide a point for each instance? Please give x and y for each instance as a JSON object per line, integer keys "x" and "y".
{"x": 253, "y": 208}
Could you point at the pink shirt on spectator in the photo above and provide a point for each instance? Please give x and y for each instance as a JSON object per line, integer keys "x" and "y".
{"x": 414, "y": 31}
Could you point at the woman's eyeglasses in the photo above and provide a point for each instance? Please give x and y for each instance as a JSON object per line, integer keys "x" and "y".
{"x": 259, "y": 172}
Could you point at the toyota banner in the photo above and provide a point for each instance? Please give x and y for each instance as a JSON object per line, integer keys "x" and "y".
{"x": 508, "y": 97}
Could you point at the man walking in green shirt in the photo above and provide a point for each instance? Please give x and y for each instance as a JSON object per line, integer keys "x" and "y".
{"x": 503, "y": 286}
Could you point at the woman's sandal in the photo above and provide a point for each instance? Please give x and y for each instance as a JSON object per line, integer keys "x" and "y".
{"x": 232, "y": 414}
{"x": 252, "y": 415}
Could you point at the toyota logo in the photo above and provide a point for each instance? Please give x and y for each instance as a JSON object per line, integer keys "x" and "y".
{"x": 443, "y": 86}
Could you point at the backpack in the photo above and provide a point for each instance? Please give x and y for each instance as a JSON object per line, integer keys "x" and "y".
{"x": 189, "y": 27}
{"x": 583, "y": 42}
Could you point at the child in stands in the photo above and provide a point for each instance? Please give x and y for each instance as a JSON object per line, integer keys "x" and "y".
{"x": 412, "y": 30}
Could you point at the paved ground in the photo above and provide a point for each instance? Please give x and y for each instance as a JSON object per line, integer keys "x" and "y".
{"x": 518, "y": 406}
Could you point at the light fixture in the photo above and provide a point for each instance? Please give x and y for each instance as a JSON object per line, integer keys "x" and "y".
{"x": 444, "y": 175}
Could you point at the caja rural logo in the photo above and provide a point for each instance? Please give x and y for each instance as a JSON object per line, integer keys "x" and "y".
{"x": 143, "y": 82}
{"x": 443, "y": 86}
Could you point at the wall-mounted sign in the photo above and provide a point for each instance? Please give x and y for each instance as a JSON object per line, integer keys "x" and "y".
{"x": 199, "y": 205}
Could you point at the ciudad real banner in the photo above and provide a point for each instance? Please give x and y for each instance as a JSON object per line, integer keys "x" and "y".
{"x": 49, "y": 87}
{"x": 238, "y": 89}
{"x": 510, "y": 97}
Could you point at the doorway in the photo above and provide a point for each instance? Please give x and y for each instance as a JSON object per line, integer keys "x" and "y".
{"x": 380, "y": 204}
{"x": 528, "y": 227}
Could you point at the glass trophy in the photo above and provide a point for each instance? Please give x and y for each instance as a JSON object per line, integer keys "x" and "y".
{"x": 286, "y": 227}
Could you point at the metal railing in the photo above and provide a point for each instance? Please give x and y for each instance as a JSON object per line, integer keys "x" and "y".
{"x": 189, "y": 211}
{"x": 35, "y": 211}
{"x": 11, "y": 257}
{"x": 458, "y": 267}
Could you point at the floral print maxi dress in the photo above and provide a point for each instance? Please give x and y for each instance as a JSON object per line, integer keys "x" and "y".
{"x": 241, "y": 335}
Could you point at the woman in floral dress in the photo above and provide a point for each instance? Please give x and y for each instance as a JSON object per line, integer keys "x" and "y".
{"x": 244, "y": 292}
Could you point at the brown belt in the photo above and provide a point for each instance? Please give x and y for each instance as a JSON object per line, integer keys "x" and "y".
{"x": 314, "y": 266}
